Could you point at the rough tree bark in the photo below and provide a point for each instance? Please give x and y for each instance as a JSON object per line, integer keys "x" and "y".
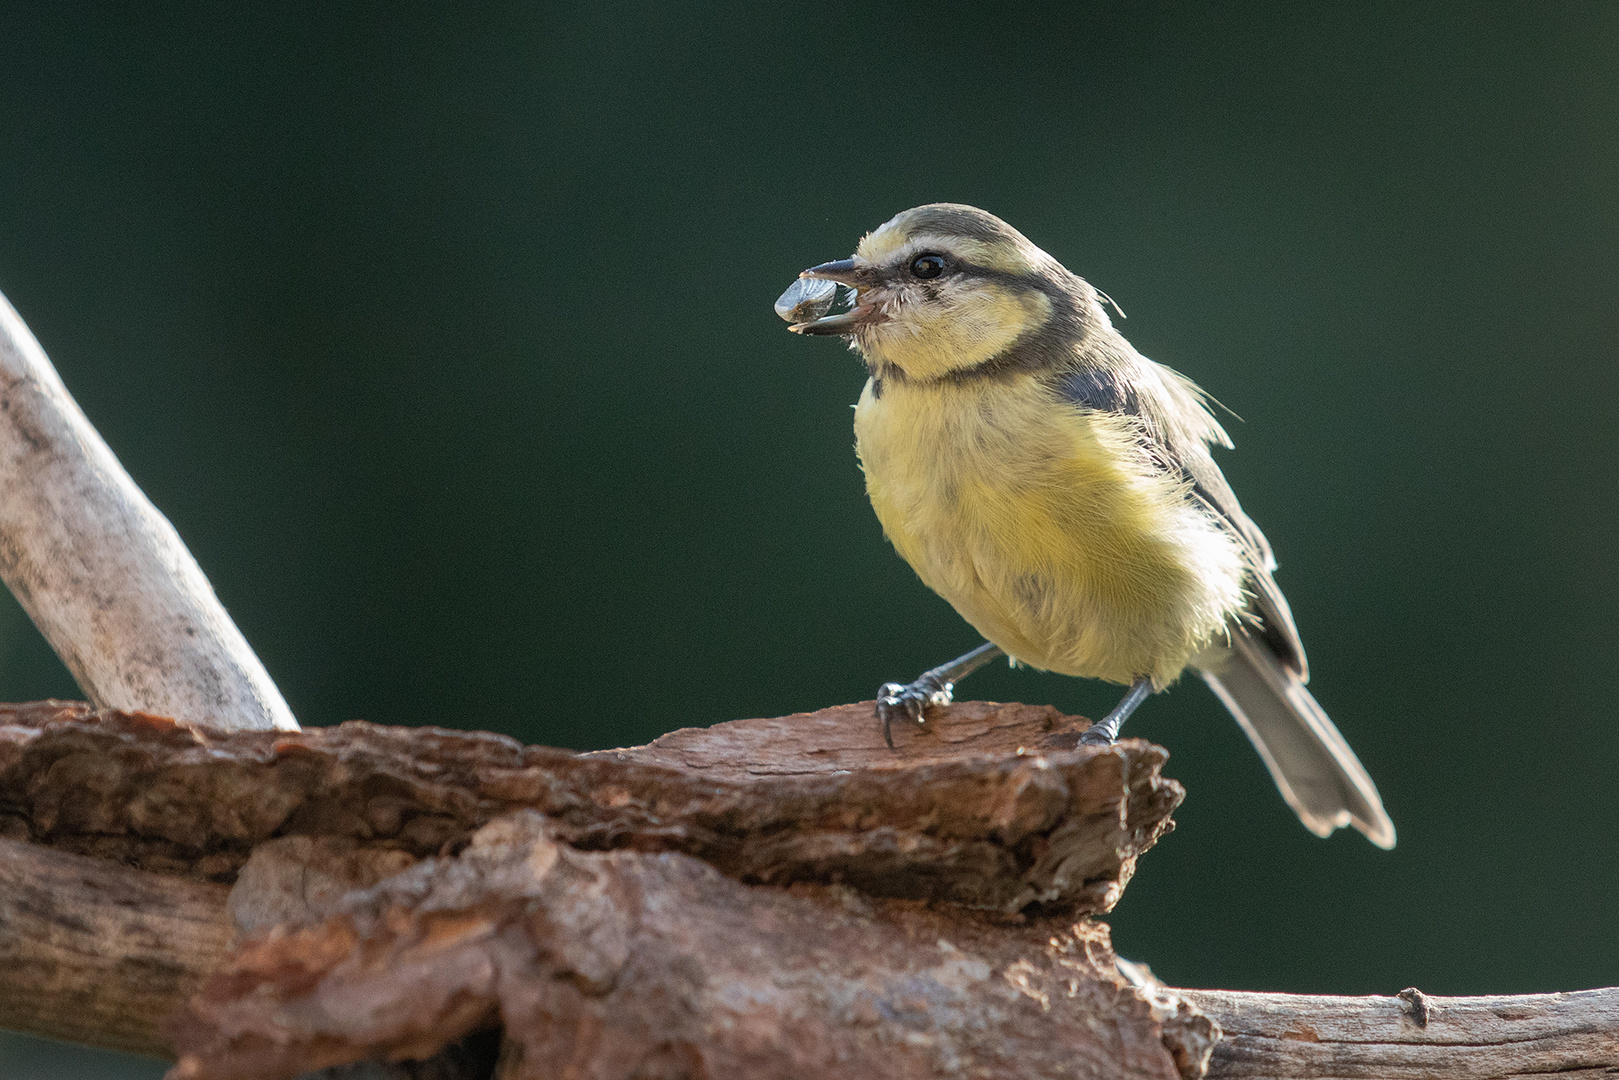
{"x": 830, "y": 870}
{"x": 997, "y": 809}
{"x": 396, "y": 891}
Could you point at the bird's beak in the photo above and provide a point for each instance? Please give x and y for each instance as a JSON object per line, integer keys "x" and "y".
{"x": 844, "y": 272}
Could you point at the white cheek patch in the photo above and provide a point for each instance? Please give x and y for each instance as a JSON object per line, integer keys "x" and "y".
{"x": 959, "y": 328}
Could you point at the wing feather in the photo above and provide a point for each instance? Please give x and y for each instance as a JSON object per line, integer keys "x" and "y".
{"x": 1177, "y": 430}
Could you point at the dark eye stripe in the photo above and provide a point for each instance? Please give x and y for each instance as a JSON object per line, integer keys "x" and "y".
{"x": 960, "y": 268}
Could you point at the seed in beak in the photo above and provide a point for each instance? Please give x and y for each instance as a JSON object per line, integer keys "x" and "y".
{"x": 806, "y": 300}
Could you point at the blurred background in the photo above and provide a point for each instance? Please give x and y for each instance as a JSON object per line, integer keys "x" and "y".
{"x": 444, "y": 337}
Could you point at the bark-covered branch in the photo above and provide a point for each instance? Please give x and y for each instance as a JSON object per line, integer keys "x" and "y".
{"x": 998, "y": 808}
{"x": 623, "y": 954}
{"x": 993, "y": 806}
{"x": 763, "y": 898}
{"x": 621, "y": 964}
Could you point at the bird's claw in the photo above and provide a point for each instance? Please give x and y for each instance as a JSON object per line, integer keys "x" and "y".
{"x": 897, "y": 701}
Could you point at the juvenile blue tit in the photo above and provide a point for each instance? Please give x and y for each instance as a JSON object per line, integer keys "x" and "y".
{"x": 1056, "y": 487}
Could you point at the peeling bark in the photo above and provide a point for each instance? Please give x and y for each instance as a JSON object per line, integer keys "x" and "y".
{"x": 610, "y": 965}
{"x": 962, "y": 816}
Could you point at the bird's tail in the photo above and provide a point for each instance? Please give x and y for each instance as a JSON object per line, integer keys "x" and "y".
{"x": 1316, "y": 771}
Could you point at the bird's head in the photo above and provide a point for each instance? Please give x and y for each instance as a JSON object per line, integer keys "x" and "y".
{"x": 943, "y": 289}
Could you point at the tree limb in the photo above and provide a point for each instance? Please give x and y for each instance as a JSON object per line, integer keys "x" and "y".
{"x": 102, "y": 573}
{"x": 606, "y": 966}
{"x": 100, "y": 953}
{"x": 1388, "y": 1038}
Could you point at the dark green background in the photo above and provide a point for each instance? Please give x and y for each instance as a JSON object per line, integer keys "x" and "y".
{"x": 445, "y": 340}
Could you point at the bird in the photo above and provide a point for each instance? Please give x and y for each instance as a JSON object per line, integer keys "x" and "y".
{"x": 1058, "y": 489}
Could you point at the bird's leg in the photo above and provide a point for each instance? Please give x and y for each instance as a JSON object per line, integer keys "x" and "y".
{"x": 1102, "y": 734}
{"x": 933, "y": 687}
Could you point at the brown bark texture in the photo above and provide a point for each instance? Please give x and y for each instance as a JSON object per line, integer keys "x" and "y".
{"x": 994, "y": 806}
{"x": 622, "y": 964}
{"x": 762, "y": 898}
{"x": 682, "y": 847}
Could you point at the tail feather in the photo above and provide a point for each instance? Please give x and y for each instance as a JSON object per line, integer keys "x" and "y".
{"x": 1316, "y": 771}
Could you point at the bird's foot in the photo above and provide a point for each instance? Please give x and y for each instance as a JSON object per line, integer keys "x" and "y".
{"x": 1097, "y": 735}
{"x": 899, "y": 701}
{"x": 1106, "y": 730}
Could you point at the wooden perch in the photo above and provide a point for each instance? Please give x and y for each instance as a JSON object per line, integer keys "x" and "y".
{"x": 353, "y": 941}
{"x": 997, "y": 809}
{"x": 101, "y": 953}
{"x": 101, "y": 572}
{"x": 992, "y": 806}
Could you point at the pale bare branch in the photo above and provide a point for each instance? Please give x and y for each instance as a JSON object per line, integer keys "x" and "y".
{"x": 102, "y": 573}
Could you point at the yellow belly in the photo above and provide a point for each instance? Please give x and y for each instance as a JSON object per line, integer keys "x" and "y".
{"x": 1047, "y": 528}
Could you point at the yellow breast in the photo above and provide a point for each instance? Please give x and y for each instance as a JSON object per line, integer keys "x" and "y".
{"x": 1047, "y": 527}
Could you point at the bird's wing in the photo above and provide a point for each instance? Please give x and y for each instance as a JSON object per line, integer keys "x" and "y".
{"x": 1179, "y": 429}
{"x": 1276, "y": 627}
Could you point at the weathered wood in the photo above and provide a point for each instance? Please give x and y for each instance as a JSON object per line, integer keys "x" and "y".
{"x": 102, "y": 573}
{"x": 1385, "y": 1038}
{"x": 960, "y": 816}
{"x": 99, "y": 953}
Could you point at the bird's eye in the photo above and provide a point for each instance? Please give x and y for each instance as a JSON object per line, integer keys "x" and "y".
{"x": 927, "y": 266}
